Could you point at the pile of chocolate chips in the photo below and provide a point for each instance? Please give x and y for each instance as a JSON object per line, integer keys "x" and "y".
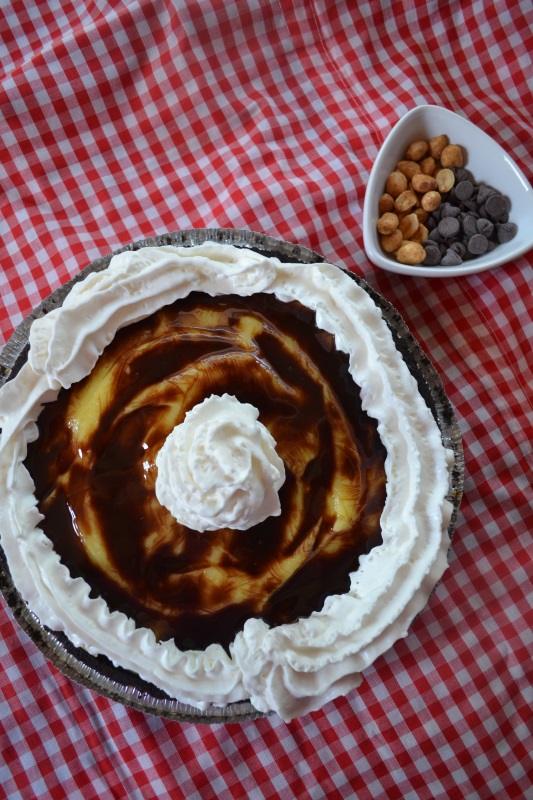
{"x": 471, "y": 220}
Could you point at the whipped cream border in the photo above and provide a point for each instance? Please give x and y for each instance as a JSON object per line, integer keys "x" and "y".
{"x": 291, "y": 669}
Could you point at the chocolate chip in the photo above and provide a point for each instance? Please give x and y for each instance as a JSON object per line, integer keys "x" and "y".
{"x": 437, "y": 213}
{"x": 448, "y": 227}
{"x": 506, "y": 231}
{"x": 451, "y": 258}
{"x": 432, "y": 258}
{"x": 470, "y": 225}
{"x": 464, "y": 190}
{"x": 459, "y": 248}
{"x": 461, "y": 174}
{"x": 495, "y": 206}
{"x": 449, "y": 211}
{"x": 484, "y": 192}
{"x": 485, "y": 226}
{"x": 477, "y": 244}
{"x": 434, "y": 235}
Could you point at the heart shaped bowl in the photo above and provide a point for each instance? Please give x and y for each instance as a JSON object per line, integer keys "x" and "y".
{"x": 484, "y": 159}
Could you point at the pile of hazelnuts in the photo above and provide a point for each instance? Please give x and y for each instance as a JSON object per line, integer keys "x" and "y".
{"x": 412, "y": 191}
{"x": 433, "y": 212}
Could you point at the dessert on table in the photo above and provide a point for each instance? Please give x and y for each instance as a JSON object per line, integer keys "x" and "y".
{"x": 219, "y": 474}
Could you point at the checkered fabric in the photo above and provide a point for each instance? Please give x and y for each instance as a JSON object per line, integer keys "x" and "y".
{"x": 120, "y": 119}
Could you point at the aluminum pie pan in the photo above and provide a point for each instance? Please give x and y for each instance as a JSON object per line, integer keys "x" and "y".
{"x": 97, "y": 672}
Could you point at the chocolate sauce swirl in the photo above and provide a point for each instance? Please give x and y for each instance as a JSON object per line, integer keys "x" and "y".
{"x": 94, "y": 470}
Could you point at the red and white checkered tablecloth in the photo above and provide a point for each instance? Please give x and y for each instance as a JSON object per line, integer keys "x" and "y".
{"x": 123, "y": 119}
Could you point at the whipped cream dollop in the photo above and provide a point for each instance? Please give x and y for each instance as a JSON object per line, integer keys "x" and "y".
{"x": 219, "y": 468}
{"x": 296, "y": 667}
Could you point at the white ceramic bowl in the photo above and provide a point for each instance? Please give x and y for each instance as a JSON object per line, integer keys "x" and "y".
{"x": 484, "y": 159}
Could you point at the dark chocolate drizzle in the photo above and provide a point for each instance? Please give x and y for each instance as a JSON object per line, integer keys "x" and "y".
{"x": 97, "y": 491}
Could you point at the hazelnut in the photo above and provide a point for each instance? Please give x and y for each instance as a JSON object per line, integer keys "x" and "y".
{"x": 416, "y": 150}
{"x": 408, "y": 168}
{"x": 386, "y": 203}
{"x": 391, "y": 242}
{"x": 423, "y": 183}
{"x": 452, "y": 156}
{"x": 405, "y": 201}
{"x": 388, "y": 222}
{"x": 421, "y": 213}
{"x": 411, "y": 253}
{"x": 437, "y": 145}
{"x": 421, "y": 234}
{"x": 430, "y": 201}
{"x": 409, "y": 225}
{"x": 396, "y": 183}
{"x": 428, "y": 165}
